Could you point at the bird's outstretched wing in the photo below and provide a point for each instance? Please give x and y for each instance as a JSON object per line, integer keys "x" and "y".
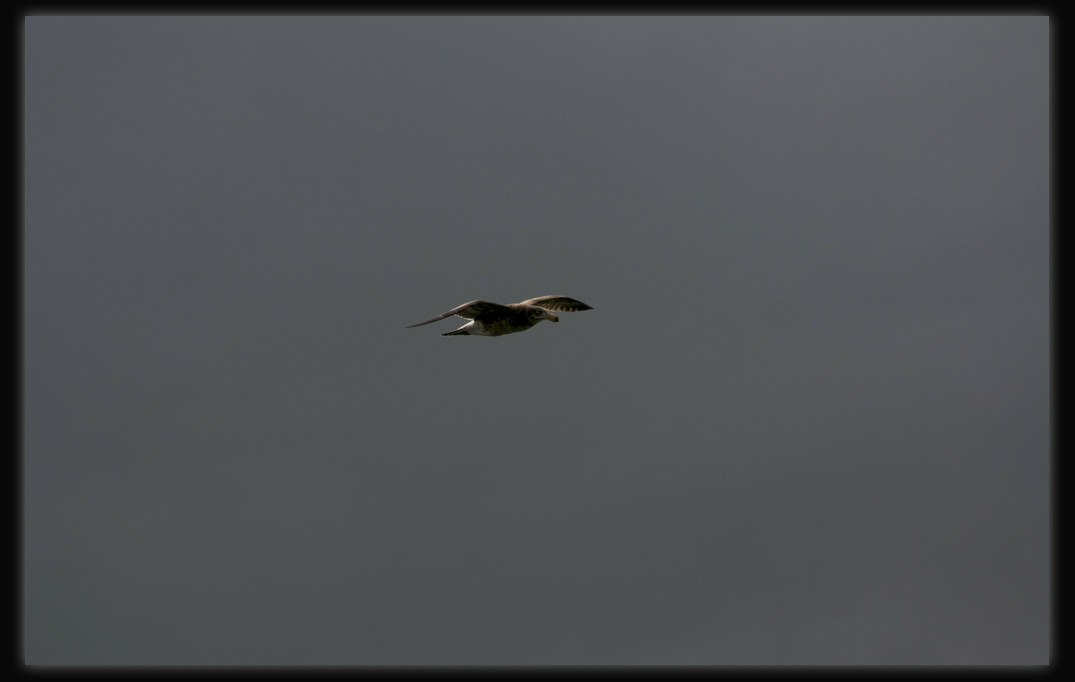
{"x": 467, "y": 310}
{"x": 557, "y": 303}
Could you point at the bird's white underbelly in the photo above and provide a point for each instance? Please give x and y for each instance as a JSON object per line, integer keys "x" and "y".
{"x": 474, "y": 327}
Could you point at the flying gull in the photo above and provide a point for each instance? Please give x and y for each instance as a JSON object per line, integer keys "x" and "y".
{"x": 493, "y": 319}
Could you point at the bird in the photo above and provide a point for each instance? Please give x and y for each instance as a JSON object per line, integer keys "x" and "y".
{"x": 494, "y": 319}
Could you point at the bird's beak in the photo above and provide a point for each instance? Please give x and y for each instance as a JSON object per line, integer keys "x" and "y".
{"x": 554, "y": 318}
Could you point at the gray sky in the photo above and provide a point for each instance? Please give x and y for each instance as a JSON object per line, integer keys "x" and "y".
{"x": 807, "y": 421}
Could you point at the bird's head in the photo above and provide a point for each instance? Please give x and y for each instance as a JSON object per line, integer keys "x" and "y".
{"x": 546, "y": 315}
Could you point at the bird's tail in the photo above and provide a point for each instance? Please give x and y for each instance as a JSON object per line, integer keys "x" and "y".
{"x": 457, "y": 332}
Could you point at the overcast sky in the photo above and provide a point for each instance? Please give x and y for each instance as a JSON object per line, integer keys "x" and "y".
{"x": 807, "y": 421}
